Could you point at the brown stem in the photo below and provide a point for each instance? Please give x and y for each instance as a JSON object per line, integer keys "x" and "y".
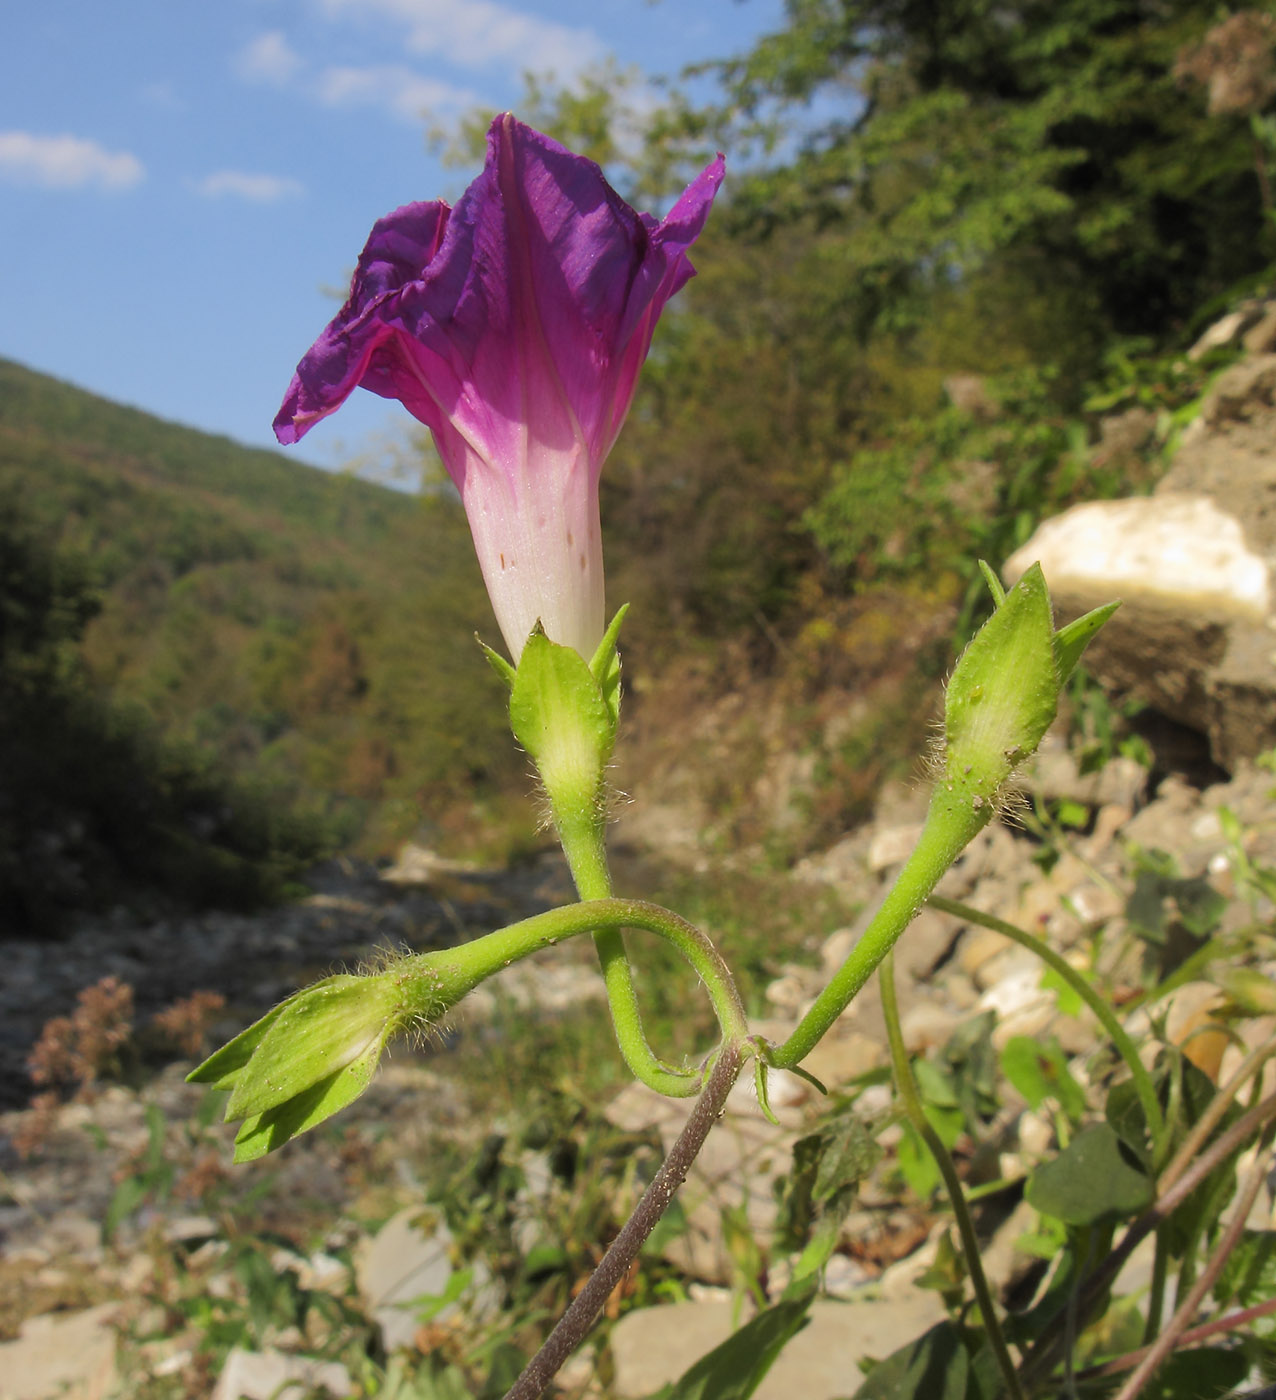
{"x": 1046, "y": 1352}
{"x": 1213, "y": 1115}
{"x": 1230, "y": 1322}
{"x": 1186, "y": 1311}
{"x": 581, "y": 1315}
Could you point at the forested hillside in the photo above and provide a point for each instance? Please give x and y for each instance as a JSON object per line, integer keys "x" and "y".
{"x": 953, "y": 238}
{"x": 216, "y": 663}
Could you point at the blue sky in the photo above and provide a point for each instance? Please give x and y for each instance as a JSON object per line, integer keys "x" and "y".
{"x": 184, "y": 184}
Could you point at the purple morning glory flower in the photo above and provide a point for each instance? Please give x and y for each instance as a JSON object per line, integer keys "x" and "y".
{"x": 514, "y": 326}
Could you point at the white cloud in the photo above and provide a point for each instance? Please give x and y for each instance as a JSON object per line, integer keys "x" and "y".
{"x": 480, "y": 33}
{"x": 65, "y": 162}
{"x": 393, "y": 87}
{"x": 240, "y": 184}
{"x": 269, "y": 58}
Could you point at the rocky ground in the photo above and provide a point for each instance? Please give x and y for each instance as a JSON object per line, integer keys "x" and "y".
{"x": 93, "y": 1312}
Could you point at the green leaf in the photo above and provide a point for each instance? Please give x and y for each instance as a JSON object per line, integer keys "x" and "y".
{"x": 850, "y": 1153}
{"x": 1071, "y": 1002}
{"x": 1039, "y": 1070}
{"x": 1203, "y": 1373}
{"x": 427, "y": 1306}
{"x": 932, "y": 1367}
{"x": 1071, "y": 641}
{"x": 1096, "y": 1178}
{"x": 734, "y": 1369}
{"x": 1249, "y": 1276}
{"x": 129, "y": 1194}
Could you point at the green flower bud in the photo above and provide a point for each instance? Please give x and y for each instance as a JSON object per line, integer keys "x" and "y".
{"x": 316, "y": 1052}
{"x": 565, "y": 713}
{"x": 1004, "y": 691}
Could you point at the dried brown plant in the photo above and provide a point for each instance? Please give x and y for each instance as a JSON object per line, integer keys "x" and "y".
{"x": 187, "y": 1022}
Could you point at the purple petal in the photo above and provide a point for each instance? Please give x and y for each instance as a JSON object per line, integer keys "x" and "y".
{"x": 515, "y": 327}
{"x": 399, "y": 248}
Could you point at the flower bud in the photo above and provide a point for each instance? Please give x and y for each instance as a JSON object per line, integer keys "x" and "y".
{"x": 564, "y": 711}
{"x": 316, "y": 1052}
{"x": 1004, "y": 691}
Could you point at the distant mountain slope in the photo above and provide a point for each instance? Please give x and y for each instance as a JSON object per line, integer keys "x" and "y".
{"x": 310, "y": 630}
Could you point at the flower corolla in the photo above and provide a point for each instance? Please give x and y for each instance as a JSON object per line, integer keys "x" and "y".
{"x": 514, "y": 326}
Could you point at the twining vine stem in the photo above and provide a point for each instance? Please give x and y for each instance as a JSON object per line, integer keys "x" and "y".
{"x": 576, "y": 1322}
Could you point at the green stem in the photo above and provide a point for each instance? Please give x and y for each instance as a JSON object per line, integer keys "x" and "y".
{"x": 949, "y": 827}
{"x": 1104, "y": 1014}
{"x": 912, "y": 1102}
{"x": 584, "y": 844}
{"x": 462, "y": 968}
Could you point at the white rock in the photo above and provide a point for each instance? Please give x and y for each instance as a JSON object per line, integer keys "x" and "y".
{"x": 1176, "y": 550}
{"x": 274, "y": 1375}
{"x": 653, "y": 1346}
{"x": 926, "y": 1025}
{"x": 787, "y": 992}
{"x": 1225, "y": 331}
{"x": 407, "y": 1258}
{"x": 70, "y": 1355}
{"x": 893, "y": 845}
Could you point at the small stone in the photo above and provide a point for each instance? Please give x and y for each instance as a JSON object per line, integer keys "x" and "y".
{"x": 1036, "y": 1136}
{"x": 837, "y": 948}
{"x": 787, "y": 992}
{"x": 785, "y": 1092}
{"x": 838, "y": 1059}
{"x": 1191, "y": 1013}
{"x": 926, "y": 1026}
{"x": 1260, "y": 339}
{"x": 1020, "y": 1005}
{"x": 651, "y": 1347}
{"x": 1012, "y": 962}
{"x": 407, "y": 1258}
{"x": 844, "y": 1276}
{"x": 892, "y": 846}
{"x": 185, "y": 1229}
{"x": 1225, "y": 331}
{"x": 1096, "y": 904}
{"x": 70, "y": 1355}
{"x": 273, "y": 1375}
{"x": 960, "y": 991}
{"x": 977, "y": 947}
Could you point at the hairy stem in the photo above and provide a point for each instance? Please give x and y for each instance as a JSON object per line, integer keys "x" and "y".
{"x": 912, "y": 1102}
{"x": 576, "y": 1322}
{"x": 584, "y": 844}
{"x": 470, "y": 963}
{"x": 943, "y": 838}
